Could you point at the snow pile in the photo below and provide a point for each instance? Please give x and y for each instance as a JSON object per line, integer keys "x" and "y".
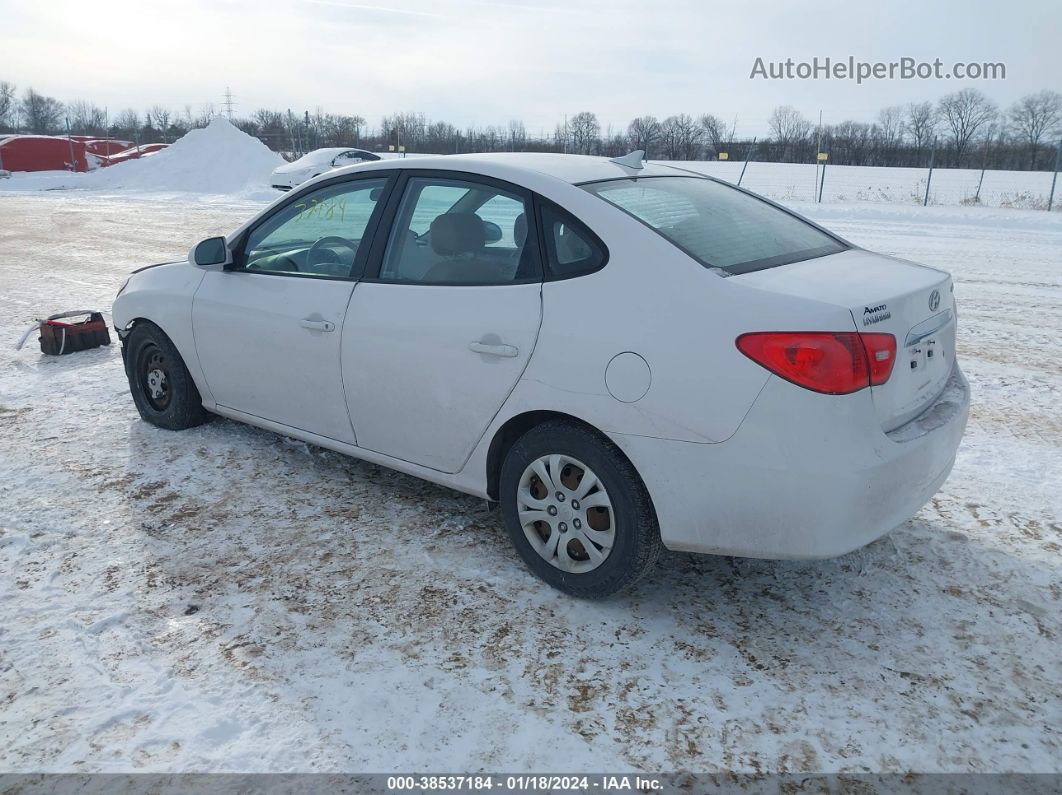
{"x": 217, "y": 159}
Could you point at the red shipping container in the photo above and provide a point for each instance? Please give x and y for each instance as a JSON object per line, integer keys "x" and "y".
{"x": 42, "y": 153}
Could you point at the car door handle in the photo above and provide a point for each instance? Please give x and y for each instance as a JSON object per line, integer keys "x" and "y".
{"x": 508, "y": 351}
{"x": 317, "y": 325}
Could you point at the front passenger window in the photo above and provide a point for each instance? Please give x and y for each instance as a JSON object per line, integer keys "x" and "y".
{"x": 318, "y": 234}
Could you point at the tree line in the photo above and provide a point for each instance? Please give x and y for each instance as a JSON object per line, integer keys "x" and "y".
{"x": 961, "y": 129}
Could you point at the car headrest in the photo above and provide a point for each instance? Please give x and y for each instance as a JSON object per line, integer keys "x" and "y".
{"x": 520, "y": 230}
{"x": 457, "y": 233}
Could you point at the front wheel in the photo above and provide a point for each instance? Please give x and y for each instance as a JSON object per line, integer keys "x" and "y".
{"x": 577, "y": 511}
{"x": 164, "y": 392}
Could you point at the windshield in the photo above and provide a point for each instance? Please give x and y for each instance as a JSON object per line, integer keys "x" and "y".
{"x": 718, "y": 225}
{"x": 319, "y": 156}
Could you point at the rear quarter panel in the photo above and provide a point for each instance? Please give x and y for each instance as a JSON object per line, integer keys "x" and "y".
{"x": 656, "y": 301}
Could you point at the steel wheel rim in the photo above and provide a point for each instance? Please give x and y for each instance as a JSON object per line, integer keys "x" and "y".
{"x": 565, "y": 513}
{"x": 154, "y": 378}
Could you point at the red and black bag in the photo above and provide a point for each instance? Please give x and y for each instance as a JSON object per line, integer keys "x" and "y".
{"x": 59, "y": 337}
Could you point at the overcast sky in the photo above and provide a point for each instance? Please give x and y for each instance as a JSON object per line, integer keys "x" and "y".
{"x": 482, "y": 62}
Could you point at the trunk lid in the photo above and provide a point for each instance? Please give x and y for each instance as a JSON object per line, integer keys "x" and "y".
{"x": 884, "y": 294}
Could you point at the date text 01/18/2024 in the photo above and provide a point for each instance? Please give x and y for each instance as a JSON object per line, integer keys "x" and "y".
{"x": 523, "y": 783}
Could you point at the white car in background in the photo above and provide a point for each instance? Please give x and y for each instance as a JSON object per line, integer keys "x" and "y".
{"x": 315, "y": 163}
{"x": 621, "y": 355}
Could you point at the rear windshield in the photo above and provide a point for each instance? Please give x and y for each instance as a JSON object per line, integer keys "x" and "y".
{"x": 718, "y": 225}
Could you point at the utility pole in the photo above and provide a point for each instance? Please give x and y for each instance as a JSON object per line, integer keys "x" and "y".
{"x": 822, "y": 182}
{"x": 70, "y": 142}
{"x": 748, "y": 156}
{"x": 929, "y": 179}
{"x": 984, "y": 165}
{"x": 229, "y": 103}
{"x": 1054, "y": 179}
{"x": 818, "y": 148}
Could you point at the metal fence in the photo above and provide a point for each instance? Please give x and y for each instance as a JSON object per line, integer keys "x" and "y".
{"x": 822, "y": 182}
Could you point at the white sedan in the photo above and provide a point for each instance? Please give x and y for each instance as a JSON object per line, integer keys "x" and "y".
{"x": 621, "y": 355}
{"x": 313, "y": 164}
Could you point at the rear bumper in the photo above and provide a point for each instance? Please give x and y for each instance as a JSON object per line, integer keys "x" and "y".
{"x": 805, "y": 476}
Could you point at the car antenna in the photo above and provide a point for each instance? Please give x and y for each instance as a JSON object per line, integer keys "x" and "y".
{"x": 632, "y": 160}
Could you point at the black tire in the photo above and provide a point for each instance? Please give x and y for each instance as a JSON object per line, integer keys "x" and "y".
{"x": 170, "y": 401}
{"x": 636, "y": 543}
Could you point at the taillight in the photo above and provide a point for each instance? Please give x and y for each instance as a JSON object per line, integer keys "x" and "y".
{"x": 881, "y": 356}
{"x": 834, "y": 363}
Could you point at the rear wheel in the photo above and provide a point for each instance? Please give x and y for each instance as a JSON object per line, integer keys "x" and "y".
{"x": 162, "y": 388}
{"x": 577, "y": 511}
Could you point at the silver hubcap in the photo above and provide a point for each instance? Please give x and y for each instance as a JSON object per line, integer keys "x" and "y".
{"x": 566, "y": 513}
{"x": 156, "y": 382}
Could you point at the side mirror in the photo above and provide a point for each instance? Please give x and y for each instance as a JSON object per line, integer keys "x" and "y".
{"x": 211, "y": 251}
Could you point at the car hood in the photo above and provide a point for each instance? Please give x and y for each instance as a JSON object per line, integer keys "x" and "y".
{"x": 296, "y": 167}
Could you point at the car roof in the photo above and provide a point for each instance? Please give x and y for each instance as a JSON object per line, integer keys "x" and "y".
{"x": 573, "y": 169}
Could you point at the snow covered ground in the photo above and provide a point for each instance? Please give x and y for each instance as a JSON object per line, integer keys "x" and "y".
{"x": 800, "y": 182}
{"x": 224, "y": 599}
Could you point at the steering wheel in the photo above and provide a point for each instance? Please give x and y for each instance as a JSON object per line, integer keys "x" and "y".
{"x": 320, "y": 244}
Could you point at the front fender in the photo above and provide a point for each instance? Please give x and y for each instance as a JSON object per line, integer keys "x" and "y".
{"x": 164, "y": 295}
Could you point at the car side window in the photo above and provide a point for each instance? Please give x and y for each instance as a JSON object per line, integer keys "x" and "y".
{"x": 571, "y": 248}
{"x": 318, "y": 234}
{"x": 453, "y": 231}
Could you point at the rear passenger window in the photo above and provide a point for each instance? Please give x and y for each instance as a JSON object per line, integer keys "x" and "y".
{"x": 458, "y": 232}
{"x": 571, "y": 248}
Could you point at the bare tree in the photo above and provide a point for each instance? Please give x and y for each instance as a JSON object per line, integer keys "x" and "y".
{"x": 357, "y": 123}
{"x": 899, "y": 136}
{"x": 922, "y": 121}
{"x": 271, "y": 127}
{"x": 127, "y": 124}
{"x": 716, "y": 134}
{"x": 441, "y": 137}
{"x": 42, "y": 114}
{"x": 584, "y": 130}
{"x": 890, "y": 130}
{"x": 403, "y": 129}
{"x": 669, "y": 138}
{"x": 86, "y": 118}
{"x": 643, "y": 133}
{"x": 789, "y": 128}
{"x": 160, "y": 118}
{"x": 680, "y": 136}
{"x": 964, "y": 113}
{"x": 851, "y": 143}
{"x": 561, "y": 137}
{"x": 1033, "y": 117}
{"x": 517, "y": 136}
{"x": 690, "y": 135}
{"x": 614, "y": 143}
{"x": 207, "y": 111}
{"x": 7, "y": 102}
